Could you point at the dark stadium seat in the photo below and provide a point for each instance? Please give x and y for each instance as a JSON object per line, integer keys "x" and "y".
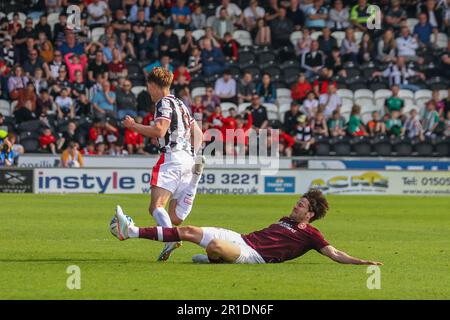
{"x": 341, "y": 146}
{"x": 352, "y": 73}
{"x": 322, "y": 146}
{"x": 33, "y": 125}
{"x": 246, "y": 59}
{"x": 266, "y": 59}
{"x": 235, "y": 71}
{"x": 402, "y": 146}
{"x": 382, "y": 146}
{"x": 197, "y": 83}
{"x": 30, "y": 144}
{"x": 289, "y": 64}
{"x": 290, "y": 75}
{"x": 274, "y": 72}
{"x": 361, "y": 146}
{"x": 437, "y": 83}
{"x": 423, "y": 149}
{"x": 374, "y": 86}
{"x": 442, "y": 146}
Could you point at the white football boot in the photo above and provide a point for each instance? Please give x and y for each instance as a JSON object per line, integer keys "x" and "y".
{"x": 168, "y": 249}
{"x": 122, "y": 224}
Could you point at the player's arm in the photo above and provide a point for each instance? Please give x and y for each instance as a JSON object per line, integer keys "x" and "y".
{"x": 158, "y": 130}
{"x": 196, "y": 136}
{"x": 342, "y": 257}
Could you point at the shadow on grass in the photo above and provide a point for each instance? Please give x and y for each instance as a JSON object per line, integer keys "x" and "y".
{"x": 58, "y": 260}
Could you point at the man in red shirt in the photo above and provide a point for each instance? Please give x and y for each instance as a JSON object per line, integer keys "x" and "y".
{"x": 289, "y": 238}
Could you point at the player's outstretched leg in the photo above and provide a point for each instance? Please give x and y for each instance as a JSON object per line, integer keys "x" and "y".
{"x": 185, "y": 202}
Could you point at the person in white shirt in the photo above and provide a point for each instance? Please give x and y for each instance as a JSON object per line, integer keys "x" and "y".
{"x": 330, "y": 101}
{"x": 339, "y": 17}
{"x": 233, "y": 11}
{"x": 225, "y": 87}
{"x": 98, "y": 12}
{"x": 310, "y": 105}
{"x": 64, "y": 105}
{"x": 252, "y": 13}
{"x": 407, "y": 45}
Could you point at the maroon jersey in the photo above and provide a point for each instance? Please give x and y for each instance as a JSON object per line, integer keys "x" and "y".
{"x": 284, "y": 240}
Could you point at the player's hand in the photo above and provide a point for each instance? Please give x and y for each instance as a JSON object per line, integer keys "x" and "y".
{"x": 129, "y": 122}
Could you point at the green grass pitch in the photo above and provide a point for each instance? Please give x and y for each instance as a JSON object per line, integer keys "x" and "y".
{"x": 41, "y": 235}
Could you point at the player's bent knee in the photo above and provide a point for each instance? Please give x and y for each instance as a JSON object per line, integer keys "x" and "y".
{"x": 176, "y": 221}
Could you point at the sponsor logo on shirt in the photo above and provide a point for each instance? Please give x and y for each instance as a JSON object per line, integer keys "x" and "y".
{"x": 287, "y": 226}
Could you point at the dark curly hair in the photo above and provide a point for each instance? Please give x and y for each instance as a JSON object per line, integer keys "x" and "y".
{"x": 317, "y": 202}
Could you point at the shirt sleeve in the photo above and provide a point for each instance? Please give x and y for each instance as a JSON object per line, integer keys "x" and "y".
{"x": 163, "y": 110}
{"x": 318, "y": 241}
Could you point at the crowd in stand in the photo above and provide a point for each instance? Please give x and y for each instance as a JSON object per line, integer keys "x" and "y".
{"x": 79, "y": 77}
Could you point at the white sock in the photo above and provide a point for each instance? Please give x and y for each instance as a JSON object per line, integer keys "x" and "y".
{"x": 193, "y": 184}
{"x": 133, "y": 232}
{"x": 162, "y": 217}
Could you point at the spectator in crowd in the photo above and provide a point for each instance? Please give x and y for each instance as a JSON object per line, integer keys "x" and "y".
{"x": 336, "y": 124}
{"x": 330, "y": 101}
{"x": 75, "y": 63}
{"x": 27, "y": 94}
{"x": 197, "y": 109}
{"x": 434, "y": 11}
{"x": 140, "y": 5}
{"x": 266, "y": 90}
{"x": 226, "y": 87}
{"x": 44, "y": 103}
{"x": 319, "y": 125}
{"x": 126, "y": 101}
{"x": 259, "y": 113}
{"x": 83, "y": 107}
{"x": 22, "y": 36}
{"x": 440, "y": 105}
{"x": 252, "y": 13}
{"x": 107, "y": 35}
{"x": 386, "y": 47}
{"x": 8, "y": 52}
{"x": 121, "y": 23}
{"x": 59, "y": 29}
{"x": 164, "y": 62}
{"x": 198, "y": 18}
{"x": 338, "y": 17}
{"x": 71, "y": 45}
{"x": 355, "y": 124}
{"x": 294, "y": 14}
{"x": 230, "y": 48}
{"x": 134, "y": 141}
{"x": 233, "y": 11}
{"x": 245, "y": 88}
{"x": 117, "y": 68}
{"x": 394, "y": 102}
{"x": 213, "y": 61}
{"x": 126, "y": 47}
{"x": 47, "y": 52}
{"x": 376, "y": 126}
{"x": 168, "y": 43}
{"x": 147, "y": 44}
{"x": 159, "y": 14}
{"x": 349, "y": 47}
{"x": 47, "y": 141}
{"x": 263, "y": 33}
{"x": 104, "y": 100}
{"x": 78, "y": 87}
{"x": 281, "y": 29}
{"x": 194, "y": 62}
{"x": 25, "y": 113}
{"x": 64, "y": 105}
{"x": 188, "y": 43}
{"x": 316, "y": 16}
{"x": 223, "y": 24}
{"x": 430, "y": 119}
{"x": 394, "y": 126}
{"x": 55, "y": 65}
{"x": 144, "y": 105}
{"x": 291, "y": 118}
{"x": 334, "y": 64}
{"x": 366, "y": 49}
{"x": 423, "y": 31}
{"x": 98, "y": 13}
{"x": 399, "y": 73}
{"x": 304, "y": 134}
{"x": 16, "y": 82}
{"x": 447, "y": 125}
{"x": 33, "y": 62}
{"x": 300, "y": 89}
{"x": 395, "y": 16}
{"x": 360, "y": 14}
{"x": 310, "y": 105}
{"x": 71, "y": 157}
{"x": 210, "y": 100}
{"x": 313, "y": 61}
{"x": 407, "y": 45}
{"x": 181, "y": 14}
{"x": 413, "y": 127}
{"x": 326, "y": 41}
{"x": 108, "y": 50}
{"x": 181, "y": 77}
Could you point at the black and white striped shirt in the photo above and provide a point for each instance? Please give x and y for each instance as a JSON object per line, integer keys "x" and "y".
{"x": 178, "y": 136}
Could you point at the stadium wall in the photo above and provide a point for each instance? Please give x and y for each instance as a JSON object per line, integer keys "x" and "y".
{"x": 237, "y": 181}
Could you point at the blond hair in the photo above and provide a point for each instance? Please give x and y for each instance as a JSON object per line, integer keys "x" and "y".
{"x": 161, "y": 77}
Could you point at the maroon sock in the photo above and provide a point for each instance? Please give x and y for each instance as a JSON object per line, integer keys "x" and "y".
{"x": 168, "y": 234}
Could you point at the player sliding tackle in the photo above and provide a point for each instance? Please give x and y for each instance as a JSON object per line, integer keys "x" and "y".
{"x": 289, "y": 238}
{"x": 177, "y": 172}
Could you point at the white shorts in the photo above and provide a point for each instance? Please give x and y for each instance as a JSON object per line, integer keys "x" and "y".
{"x": 248, "y": 254}
{"x": 173, "y": 172}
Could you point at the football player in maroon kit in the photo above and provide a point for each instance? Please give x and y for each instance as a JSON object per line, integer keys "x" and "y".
{"x": 289, "y": 238}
